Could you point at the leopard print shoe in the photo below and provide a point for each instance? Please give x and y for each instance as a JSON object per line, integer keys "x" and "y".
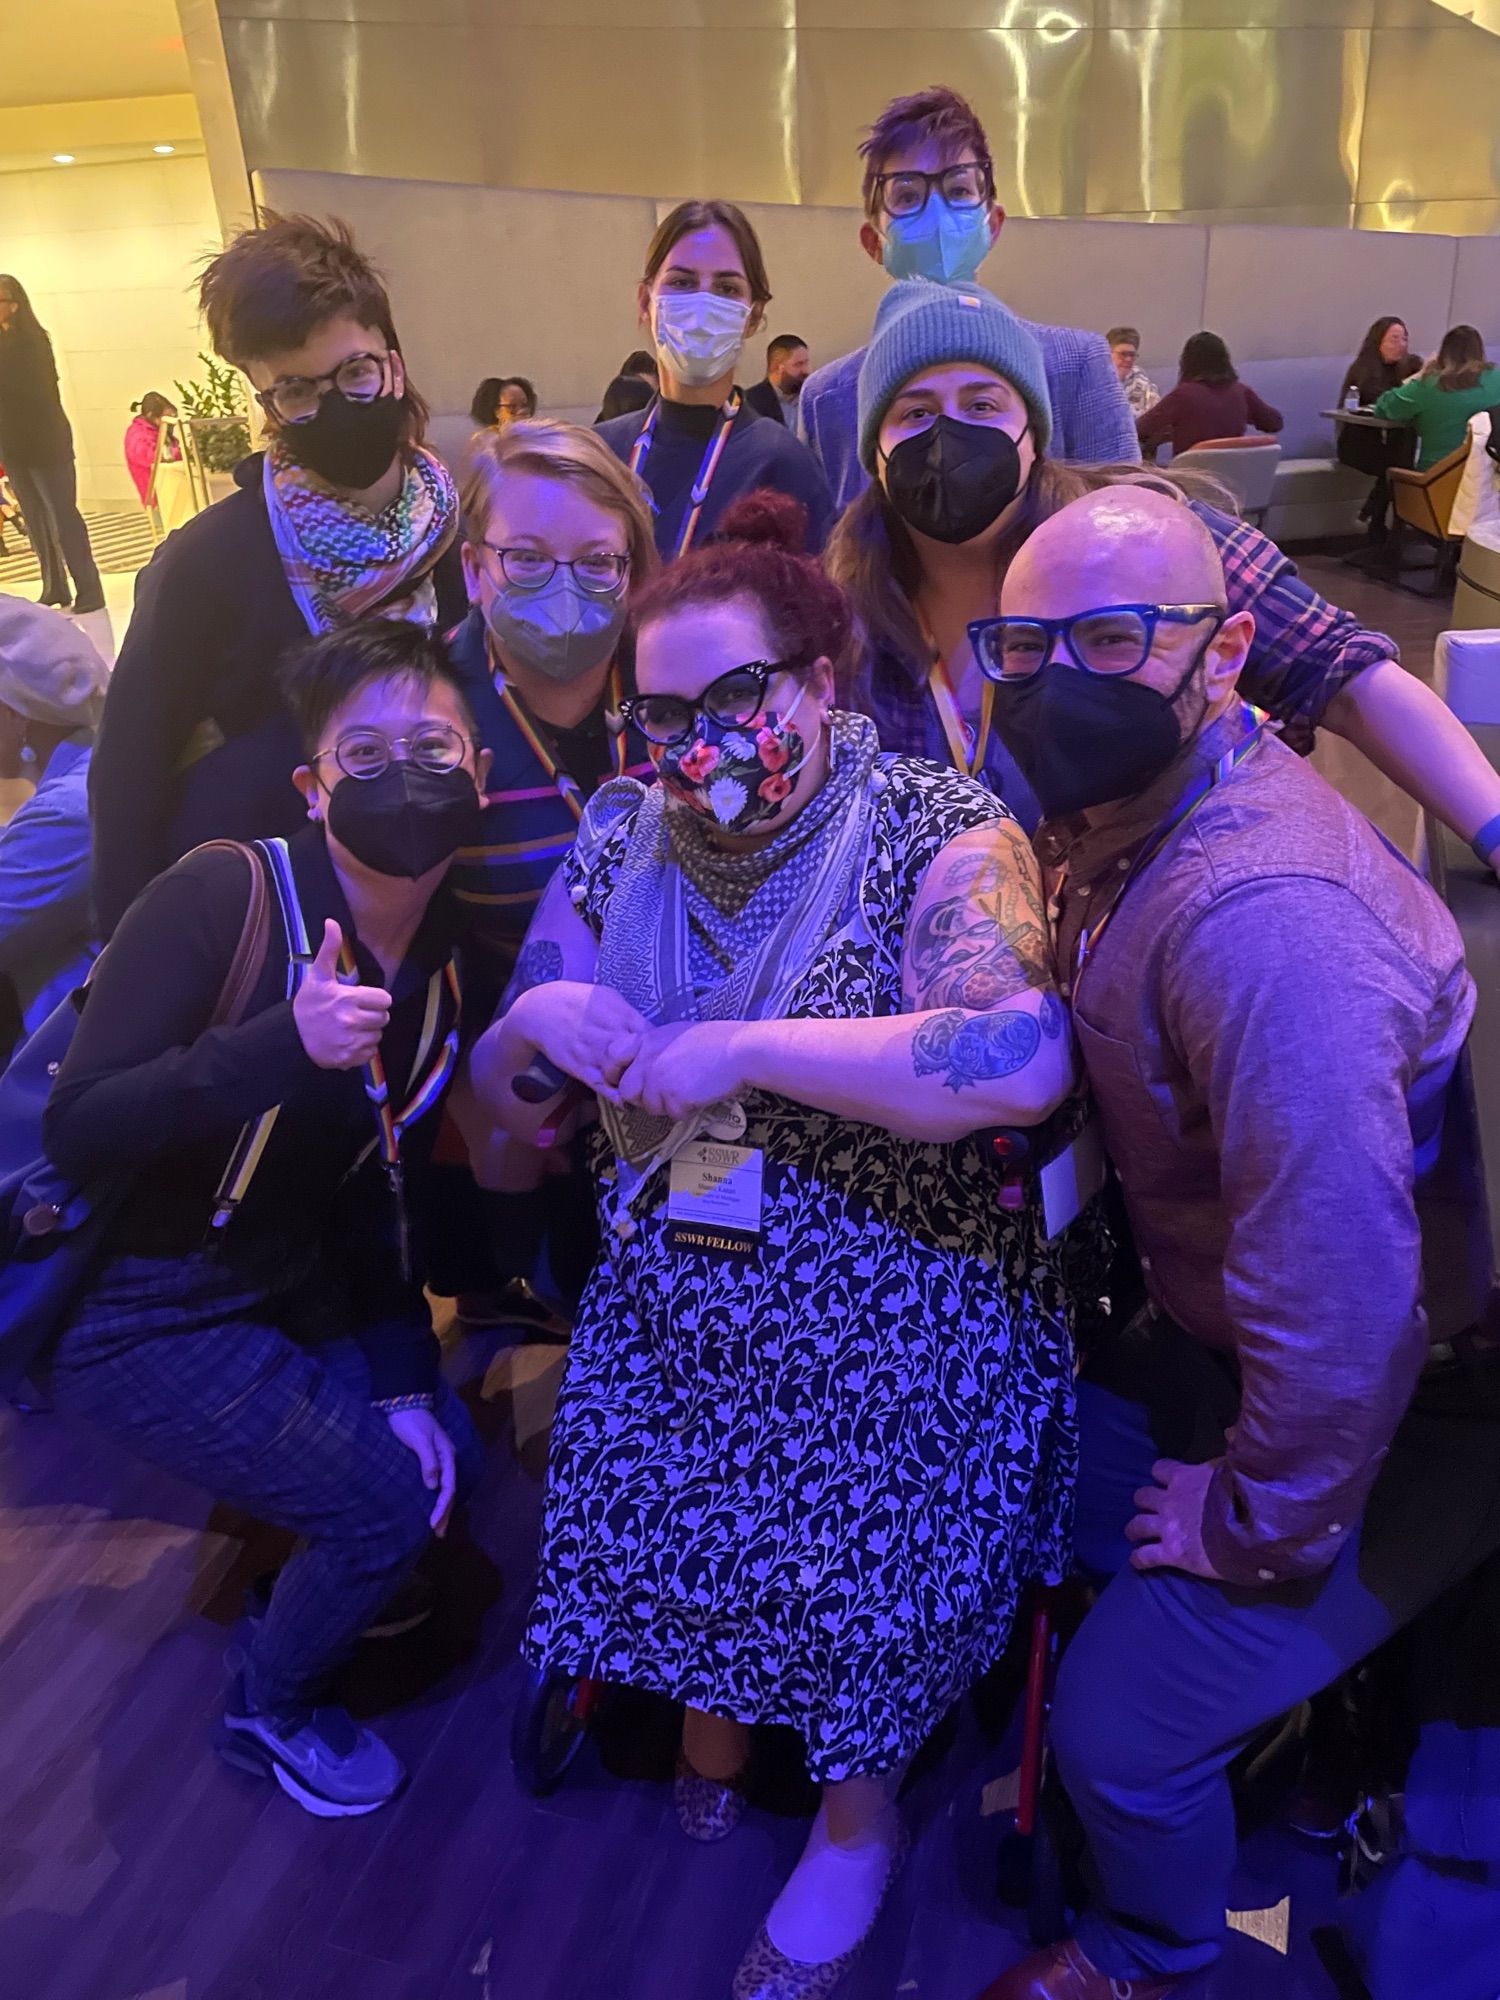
{"x": 708, "y": 1809}
{"x": 766, "y": 1973}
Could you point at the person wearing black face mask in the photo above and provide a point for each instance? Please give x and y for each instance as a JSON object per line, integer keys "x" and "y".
{"x": 346, "y": 514}
{"x": 956, "y": 429}
{"x": 1292, "y": 1452}
{"x": 255, "y": 1322}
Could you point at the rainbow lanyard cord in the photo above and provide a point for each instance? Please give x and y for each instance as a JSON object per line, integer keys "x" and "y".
{"x": 966, "y": 750}
{"x": 641, "y": 449}
{"x": 425, "y": 1093}
{"x": 566, "y": 784}
{"x": 1088, "y": 939}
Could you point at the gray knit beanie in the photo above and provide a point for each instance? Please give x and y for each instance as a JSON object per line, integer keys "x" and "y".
{"x": 919, "y": 325}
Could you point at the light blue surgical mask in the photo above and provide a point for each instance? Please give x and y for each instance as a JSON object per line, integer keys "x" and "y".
{"x": 946, "y": 245}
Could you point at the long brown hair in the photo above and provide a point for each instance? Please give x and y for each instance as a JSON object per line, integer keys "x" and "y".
{"x": 1460, "y": 361}
{"x": 874, "y": 560}
{"x": 689, "y": 217}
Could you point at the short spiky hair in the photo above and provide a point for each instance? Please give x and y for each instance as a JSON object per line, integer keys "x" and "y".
{"x": 936, "y": 113}
{"x": 319, "y": 676}
{"x": 274, "y": 285}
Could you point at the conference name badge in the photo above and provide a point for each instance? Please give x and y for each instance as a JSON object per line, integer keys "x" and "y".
{"x": 715, "y": 1198}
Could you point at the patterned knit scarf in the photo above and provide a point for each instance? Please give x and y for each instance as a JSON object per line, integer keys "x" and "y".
{"x": 343, "y": 562}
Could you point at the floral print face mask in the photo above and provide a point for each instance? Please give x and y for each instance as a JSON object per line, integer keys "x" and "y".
{"x": 736, "y": 776}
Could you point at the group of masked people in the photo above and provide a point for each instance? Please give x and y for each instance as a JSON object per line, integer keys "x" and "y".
{"x": 729, "y": 896}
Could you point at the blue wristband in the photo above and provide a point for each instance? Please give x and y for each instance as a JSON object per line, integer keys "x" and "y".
{"x": 1487, "y": 840}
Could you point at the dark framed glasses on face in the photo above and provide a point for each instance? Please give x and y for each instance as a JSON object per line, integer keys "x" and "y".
{"x": 1112, "y": 639}
{"x": 365, "y": 753}
{"x": 530, "y": 569}
{"x": 735, "y": 699}
{"x": 968, "y": 185}
{"x": 360, "y": 378}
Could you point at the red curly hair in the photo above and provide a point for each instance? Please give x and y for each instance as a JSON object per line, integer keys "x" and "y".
{"x": 759, "y": 557}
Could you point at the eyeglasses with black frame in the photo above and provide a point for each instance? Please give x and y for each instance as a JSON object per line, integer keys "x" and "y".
{"x": 1111, "y": 639}
{"x": 734, "y": 699}
{"x": 601, "y": 575}
{"x": 968, "y": 185}
{"x": 296, "y": 399}
{"x": 366, "y": 753}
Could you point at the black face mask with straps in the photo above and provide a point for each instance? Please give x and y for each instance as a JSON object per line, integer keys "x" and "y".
{"x": 407, "y": 821}
{"x": 351, "y": 445}
{"x": 954, "y": 480}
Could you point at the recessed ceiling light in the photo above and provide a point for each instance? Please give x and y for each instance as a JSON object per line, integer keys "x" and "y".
{"x": 64, "y": 159}
{"x": 164, "y": 149}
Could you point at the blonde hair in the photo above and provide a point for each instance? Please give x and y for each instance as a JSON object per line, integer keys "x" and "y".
{"x": 569, "y": 453}
{"x": 875, "y": 561}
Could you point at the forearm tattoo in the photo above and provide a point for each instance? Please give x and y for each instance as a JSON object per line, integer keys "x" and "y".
{"x": 984, "y": 939}
{"x": 976, "y": 1048}
{"x": 540, "y": 962}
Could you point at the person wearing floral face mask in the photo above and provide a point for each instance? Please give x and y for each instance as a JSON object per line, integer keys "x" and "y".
{"x": 700, "y": 447}
{"x": 814, "y": 1430}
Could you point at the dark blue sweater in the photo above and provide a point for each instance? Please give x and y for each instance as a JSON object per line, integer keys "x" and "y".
{"x": 759, "y": 453}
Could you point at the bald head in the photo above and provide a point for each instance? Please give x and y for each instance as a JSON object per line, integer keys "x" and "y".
{"x": 1121, "y": 545}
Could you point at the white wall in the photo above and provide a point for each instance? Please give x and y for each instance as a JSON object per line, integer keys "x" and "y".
{"x": 108, "y": 255}
{"x": 498, "y": 281}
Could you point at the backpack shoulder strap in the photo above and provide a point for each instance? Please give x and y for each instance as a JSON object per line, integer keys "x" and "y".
{"x": 249, "y": 960}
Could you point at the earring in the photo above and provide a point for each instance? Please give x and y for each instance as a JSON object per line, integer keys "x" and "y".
{"x": 28, "y": 755}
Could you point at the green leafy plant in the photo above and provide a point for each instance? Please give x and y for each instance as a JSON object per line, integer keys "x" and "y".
{"x": 220, "y": 415}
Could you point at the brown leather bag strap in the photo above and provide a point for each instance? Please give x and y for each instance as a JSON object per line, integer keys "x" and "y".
{"x": 249, "y": 960}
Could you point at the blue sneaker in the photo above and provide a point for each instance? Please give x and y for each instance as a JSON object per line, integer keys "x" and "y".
{"x": 331, "y": 1765}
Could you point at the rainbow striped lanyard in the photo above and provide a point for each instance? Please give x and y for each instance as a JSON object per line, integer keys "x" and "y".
{"x": 1183, "y": 811}
{"x": 426, "y": 1090}
{"x": 967, "y": 747}
{"x": 640, "y": 451}
{"x": 567, "y": 785}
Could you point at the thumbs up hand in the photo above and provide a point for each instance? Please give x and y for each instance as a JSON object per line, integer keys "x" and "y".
{"x": 340, "y": 1024}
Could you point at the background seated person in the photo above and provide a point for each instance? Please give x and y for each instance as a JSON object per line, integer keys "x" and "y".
{"x": 1278, "y": 1469}
{"x": 1453, "y": 386}
{"x": 1141, "y": 393}
{"x": 288, "y": 1363}
{"x": 1210, "y": 401}
{"x": 1384, "y": 361}
{"x": 52, "y": 686}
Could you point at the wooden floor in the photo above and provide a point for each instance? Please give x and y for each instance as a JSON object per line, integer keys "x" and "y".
{"x": 135, "y": 1866}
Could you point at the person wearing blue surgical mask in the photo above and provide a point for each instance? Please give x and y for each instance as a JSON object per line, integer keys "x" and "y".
{"x": 931, "y": 212}
{"x": 699, "y": 446}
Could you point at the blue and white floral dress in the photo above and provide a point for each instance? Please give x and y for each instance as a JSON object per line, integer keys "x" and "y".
{"x": 808, "y": 1488}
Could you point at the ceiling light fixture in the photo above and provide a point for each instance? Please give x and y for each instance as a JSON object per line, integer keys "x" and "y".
{"x": 64, "y": 159}
{"x": 164, "y": 149}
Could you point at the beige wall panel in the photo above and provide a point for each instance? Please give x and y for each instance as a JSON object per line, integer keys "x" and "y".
{"x": 421, "y": 13}
{"x": 1028, "y": 88}
{"x": 1476, "y": 284}
{"x": 1432, "y": 218}
{"x": 1431, "y": 122}
{"x": 824, "y": 286}
{"x": 1284, "y": 15}
{"x": 1103, "y": 274}
{"x": 1223, "y": 119}
{"x": 997, "y": 17}
{"x": 325, "y": 96}
{"x": 651, "y": 111}
{"x": 482, "y": 285}
{"x": 1275, "y": 292}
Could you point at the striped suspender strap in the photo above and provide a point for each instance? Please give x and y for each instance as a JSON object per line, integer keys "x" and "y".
{"x": 251, "y": 1143}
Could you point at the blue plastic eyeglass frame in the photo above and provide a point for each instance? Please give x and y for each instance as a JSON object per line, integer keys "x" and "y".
{"x": 985, "y": 635}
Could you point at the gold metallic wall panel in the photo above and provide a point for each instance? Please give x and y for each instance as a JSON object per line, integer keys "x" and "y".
{"x": 600, "y": 125}
{"x": 1375, "y": 113}
{"x": 1215, "y": 121}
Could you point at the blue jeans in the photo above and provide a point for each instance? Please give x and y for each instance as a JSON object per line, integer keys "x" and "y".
{"x": 263, "y": 1400}
{"x": 1171, "y": 1675}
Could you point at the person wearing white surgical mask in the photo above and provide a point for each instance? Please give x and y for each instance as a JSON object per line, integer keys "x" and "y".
{"x": 699, "y": 447}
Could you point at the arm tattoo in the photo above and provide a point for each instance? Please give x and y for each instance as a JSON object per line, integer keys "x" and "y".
{"x": 969, "y": 1048}
{"x": 1052, "y": 1016}
{"x": 541, "y": 962}
{"x": 983, "y": 939}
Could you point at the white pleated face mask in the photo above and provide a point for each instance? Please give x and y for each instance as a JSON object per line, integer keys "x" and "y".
{"x": 698, "y": 334}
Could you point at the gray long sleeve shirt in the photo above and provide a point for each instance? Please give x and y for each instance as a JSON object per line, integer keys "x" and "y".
{"x": 1275, "y": 1003}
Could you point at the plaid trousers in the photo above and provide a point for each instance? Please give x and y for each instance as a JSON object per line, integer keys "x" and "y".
{"x": 264, "y": 1400}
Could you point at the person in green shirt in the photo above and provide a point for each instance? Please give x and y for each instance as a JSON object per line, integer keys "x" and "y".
{"x": 1454, "y": 385}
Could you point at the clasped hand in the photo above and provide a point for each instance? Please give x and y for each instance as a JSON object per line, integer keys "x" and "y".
{"x": 594, "y": 1035}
